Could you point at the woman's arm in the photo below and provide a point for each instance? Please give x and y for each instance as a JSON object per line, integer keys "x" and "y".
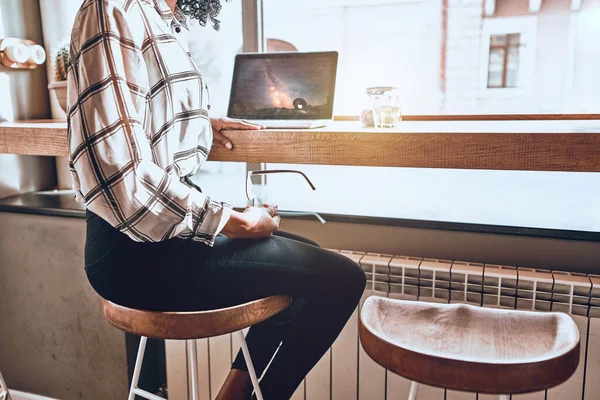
{"x": 110, "y": 155}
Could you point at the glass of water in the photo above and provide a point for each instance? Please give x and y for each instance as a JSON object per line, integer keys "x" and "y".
{"x": 386, "y": 109}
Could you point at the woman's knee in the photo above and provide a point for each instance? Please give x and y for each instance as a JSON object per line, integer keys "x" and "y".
{"x": 352, "y": 278}
{"x": 295, "y": 237}
{"x": 359, "y": 278}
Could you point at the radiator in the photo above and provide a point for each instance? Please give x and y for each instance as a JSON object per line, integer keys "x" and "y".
{"x": 346, "y": 372}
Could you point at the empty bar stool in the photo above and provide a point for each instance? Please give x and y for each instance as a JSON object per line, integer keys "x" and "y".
{"x": 4, "y": 395}
{"x": 190, "y": 326}
{"x": 468, "y": 348}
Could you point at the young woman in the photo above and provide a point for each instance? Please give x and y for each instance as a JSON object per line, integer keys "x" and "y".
{"x": 138, "y": 128}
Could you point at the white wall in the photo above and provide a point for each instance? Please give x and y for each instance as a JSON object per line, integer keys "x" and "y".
{"x": 214, "y": 53}
{"x": 463, "y": 56}
{"x": 6, "y": 111}
{"x": 57, "y": 22}
{"x": 585, "y": 93}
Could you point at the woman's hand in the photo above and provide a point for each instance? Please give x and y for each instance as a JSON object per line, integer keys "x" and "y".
{"x": 221, "y": 124}
{"x": 253, "y": 223}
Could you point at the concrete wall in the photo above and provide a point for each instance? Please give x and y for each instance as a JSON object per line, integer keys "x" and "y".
{"x": 54, "y": 340}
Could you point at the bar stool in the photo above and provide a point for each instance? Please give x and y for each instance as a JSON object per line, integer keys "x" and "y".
{"x": 190, "y": 326}
{"x": 4, "y": 395}
{"x": 467, "y": 348}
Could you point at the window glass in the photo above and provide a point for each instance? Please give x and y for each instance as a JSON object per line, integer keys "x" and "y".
{"x": 545, "y": 62}
{"x": 438, "y": 53}
{"x": 548, "y": 200}
{"x": 496, "y": 67}
{"x": 512, "y": 67}
{"x": 214, "y": 53}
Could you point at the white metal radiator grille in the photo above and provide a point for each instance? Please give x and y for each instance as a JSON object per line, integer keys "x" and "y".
{"x": 346, "y": 372}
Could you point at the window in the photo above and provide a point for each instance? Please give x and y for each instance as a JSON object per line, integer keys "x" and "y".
{"x": 214, "y": 53}
{"x": 383, "y": 43}
{"x": 549, "y": 200}
{"x": 509, "y": 76}
{"x": 503, "y": 67}
{"x": 446, "y": 57}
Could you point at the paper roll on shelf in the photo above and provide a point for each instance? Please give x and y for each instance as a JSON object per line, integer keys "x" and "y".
{"x": 16, "y": 52}
{"x": 21, "y": 54}
{"x": 37, "y": 54}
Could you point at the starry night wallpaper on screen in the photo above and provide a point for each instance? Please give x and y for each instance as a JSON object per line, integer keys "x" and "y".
{"x": 283, "y": 88}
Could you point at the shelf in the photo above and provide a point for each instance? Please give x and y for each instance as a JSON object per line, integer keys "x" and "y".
{"x": 496, "y": 145}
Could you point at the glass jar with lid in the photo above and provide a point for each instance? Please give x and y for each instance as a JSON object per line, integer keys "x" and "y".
{"x": 382, "y": 107}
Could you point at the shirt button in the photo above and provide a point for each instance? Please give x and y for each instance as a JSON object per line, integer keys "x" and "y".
{"x": 177, "y": 29}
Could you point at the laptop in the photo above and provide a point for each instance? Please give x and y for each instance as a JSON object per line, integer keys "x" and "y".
{"x": 284, "y": 90}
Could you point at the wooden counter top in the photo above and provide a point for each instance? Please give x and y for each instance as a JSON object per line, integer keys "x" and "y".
{"x": 500, "y": 145}
{"x": 40, "y": 138}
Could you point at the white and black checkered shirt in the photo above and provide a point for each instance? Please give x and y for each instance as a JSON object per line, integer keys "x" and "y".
{"x": 138, "y": 122}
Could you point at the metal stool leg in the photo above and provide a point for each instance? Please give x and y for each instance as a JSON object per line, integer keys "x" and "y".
{"x": 138, "y": 368}
{"x": 134, "y": 390}
{"x": 4, "y": 394}
{"x": 414, "y": 388}
{"x": 193, "y": 357}
{"x": 250, "y": 366}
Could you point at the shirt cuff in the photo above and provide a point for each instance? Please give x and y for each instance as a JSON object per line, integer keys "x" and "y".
{"x": 213, "y": 218}
{"x": 226, "y": 214}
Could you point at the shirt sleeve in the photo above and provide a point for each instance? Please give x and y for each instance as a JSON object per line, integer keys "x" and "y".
{"x": 110, "y": 154}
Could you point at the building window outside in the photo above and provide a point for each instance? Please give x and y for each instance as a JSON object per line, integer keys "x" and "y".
{"x": 511, "y": 76}
{"x": 503, "y": 66}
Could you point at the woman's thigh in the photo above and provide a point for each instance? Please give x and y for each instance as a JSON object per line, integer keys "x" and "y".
{"x": 196, "y": 277}
{"x": 293, "y": 236}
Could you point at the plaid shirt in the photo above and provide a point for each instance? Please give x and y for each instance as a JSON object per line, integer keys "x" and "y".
{"x": 138, "y": 122}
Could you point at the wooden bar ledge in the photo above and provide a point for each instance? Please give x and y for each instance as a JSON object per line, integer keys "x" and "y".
{"x": 572, "y": 146}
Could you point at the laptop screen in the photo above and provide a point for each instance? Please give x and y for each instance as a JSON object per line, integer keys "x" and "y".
{"x": 283, "y": 86}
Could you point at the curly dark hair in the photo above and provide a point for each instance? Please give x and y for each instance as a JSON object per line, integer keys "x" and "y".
{"x": 202, "y": 10}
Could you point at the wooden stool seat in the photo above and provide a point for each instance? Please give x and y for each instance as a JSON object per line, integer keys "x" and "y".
{"x": 468, "y": 348}
{"x": 193, "y": 325}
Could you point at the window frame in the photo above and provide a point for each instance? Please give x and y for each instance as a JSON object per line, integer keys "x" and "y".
{"x": 506, "y": 48}
{"x": 254, "y": 41}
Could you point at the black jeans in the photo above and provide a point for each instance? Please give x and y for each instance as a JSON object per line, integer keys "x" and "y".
{"x": 182, "y": 275}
